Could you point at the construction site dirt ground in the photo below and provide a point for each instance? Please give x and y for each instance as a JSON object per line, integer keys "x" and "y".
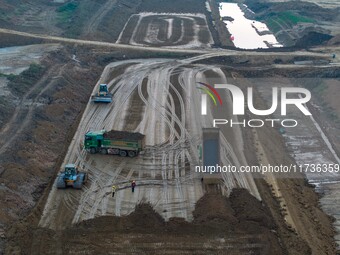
{"x": 171, "y": 211}
{"x": 27, "y": 237}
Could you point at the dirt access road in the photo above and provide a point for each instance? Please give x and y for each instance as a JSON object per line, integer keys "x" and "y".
{"x": 216, "y": 52}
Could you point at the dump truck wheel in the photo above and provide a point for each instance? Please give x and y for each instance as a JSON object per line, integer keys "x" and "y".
{"x": 103, "y": 151}
{"x": 93, "y": 150}
{"x": 122, "y": 153}
{"x": 132, "y": 154}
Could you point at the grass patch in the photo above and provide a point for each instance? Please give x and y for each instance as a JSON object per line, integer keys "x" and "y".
{"x": 68, "y": 7}
{"x": 289, "y": 19}
{"x": 66, "y": 12}
{"x": 283, "y": 20}
{"x": 19, "y": 84}
{"x": 9, "y": 76}
{"x": 4, "y": 16}
{"x": 294, "y": 18}
{"x": 73, "y": 16}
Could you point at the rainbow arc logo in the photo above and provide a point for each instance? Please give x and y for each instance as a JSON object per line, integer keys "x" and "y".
{"x": 239, "y": 99}
{"x": 211, "y": 91}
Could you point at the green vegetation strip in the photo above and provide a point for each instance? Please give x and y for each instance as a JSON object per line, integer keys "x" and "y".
{"x": 66, "y": 11}
{"x": 19, "y": 84}
{"x": 294, "y": 18}
{"x": 285, "y": 20}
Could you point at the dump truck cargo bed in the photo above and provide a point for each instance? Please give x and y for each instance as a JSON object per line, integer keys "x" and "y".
{"x": 123, "y": 135}
{"x": 114, "y": 142}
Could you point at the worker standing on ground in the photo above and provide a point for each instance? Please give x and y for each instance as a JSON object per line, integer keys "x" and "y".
{"x": 133, "y": 185}
{"x": 113, "y": 190}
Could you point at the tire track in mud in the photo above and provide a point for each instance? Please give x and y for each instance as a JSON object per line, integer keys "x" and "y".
{"x": 167, "y": 30}
{"x": 101, "y": 190}
{"x": 165, "y": 94}
{"x": 96, "y": 194}
{"x": 151, "y": 191}
{"x": 179, "y": 111}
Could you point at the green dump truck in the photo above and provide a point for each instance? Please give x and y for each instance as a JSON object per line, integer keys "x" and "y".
{"x": 114, "y": 142}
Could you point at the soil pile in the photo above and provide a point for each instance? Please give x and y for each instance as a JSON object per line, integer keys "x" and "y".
{"x": 124, "y": 135}
{"x": 215, "y": 228}
{"x": 312, "y": 39}
{"x": 248, "y": 208}
{"x": 214, "y": 208}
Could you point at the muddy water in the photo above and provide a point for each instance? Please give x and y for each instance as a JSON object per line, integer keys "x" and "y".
{"x": 248, "y": 34}
{"x": 14, "y": 60}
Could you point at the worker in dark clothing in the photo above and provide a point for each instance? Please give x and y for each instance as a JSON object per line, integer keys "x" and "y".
{"x": 133, "y": 185}
{"x": 113, "y": 190}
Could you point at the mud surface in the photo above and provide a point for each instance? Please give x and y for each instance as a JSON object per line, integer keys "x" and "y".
{"x": 38, "y": 131}
{"x": 171, "y": 210}
{"x": 220, "y": 224}
{"x": 174, "y": 30}
{"x": 260, "y": 225}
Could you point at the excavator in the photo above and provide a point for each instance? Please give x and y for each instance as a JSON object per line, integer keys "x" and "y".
{"x": 103, "y": 95}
